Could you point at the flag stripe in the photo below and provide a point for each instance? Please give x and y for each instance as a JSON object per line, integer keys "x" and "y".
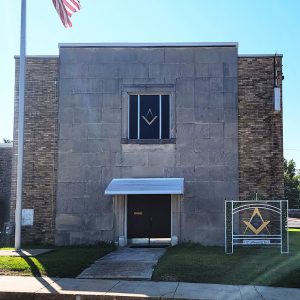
{"x": 65, "y": 9}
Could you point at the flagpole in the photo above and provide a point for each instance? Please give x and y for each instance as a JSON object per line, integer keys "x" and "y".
{"x": 18, "y": 212}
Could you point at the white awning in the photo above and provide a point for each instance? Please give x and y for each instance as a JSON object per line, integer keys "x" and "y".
{"x": 134, "y": 186}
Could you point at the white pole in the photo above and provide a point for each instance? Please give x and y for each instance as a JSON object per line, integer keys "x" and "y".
{"x": 18, "y": 213}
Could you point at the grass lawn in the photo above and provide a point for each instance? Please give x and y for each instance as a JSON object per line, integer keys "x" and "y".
{"x": 63, "y": 262}
{"x": 260, "y": 266}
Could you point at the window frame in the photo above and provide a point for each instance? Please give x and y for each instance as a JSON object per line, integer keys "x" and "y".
{"x": 145, "y": 89}
{"x": 139, "y": 119}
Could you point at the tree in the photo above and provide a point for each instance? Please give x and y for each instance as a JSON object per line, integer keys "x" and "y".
{"x": 292, "y": 183}
{"x": 7, "y": 141}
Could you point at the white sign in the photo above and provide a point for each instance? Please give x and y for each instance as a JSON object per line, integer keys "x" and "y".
{"x": 27, "y": 216}
{"x": 256, "y": 242}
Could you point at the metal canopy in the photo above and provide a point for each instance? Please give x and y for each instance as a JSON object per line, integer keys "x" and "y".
{"x": 134, "y": 186}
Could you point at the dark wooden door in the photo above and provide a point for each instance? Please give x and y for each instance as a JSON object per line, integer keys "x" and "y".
{"x": 148, "y": 216}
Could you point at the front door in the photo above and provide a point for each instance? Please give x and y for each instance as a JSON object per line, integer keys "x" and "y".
{"x": 148, "y": 216}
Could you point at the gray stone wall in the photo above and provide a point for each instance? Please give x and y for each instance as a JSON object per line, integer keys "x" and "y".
{"x": 91, "y": 152}
{"x": 5, "y": 182}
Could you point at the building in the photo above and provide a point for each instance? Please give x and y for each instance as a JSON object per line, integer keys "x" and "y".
{"x": 126, "y": 141}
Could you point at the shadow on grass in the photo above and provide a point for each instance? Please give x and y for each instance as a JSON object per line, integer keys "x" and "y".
{"x": 71, "y": 261}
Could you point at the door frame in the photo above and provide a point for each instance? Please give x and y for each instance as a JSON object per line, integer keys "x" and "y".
{"x": 120, "y": 219}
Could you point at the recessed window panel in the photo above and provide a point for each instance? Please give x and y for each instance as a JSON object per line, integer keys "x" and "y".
{"x": 165, "y": 116}
{"x": 149, "y": 117}
{"x": 133, "y": 117}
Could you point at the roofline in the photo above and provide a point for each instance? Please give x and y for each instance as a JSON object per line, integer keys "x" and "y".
{"x": 152, "y": 45}
{"x": 38, "y": 56}
{"x": 6, "y": 145}
{"x": 260, "y": 55}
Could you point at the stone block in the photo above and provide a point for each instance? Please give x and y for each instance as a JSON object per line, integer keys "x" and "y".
{"x": 192, "y": 158}
{"x": 74, "y": 70}
{"x": 78, "y": 174}
{"x": 108, "y": 173}
{"x": 216, "y": 130}
{"x": 188, "y": 173}
{"x": 201, "y": 131}
{"x": 230, "y": 69}
{"x": 133, "y": 70}
{"x": 69, "y": 221}
{"x": 209, "y": 115}
{"x": 171, "y": 71}
{"x": 202, "y": 99}
{"x": 207, "y": 55}
{"x": 111, "y": 101}
{"x": 66, "y": 115}
{"x": 141, "y": 171}
{"x": 216, "y": 157}
{"x": 87, "y": 115}
{"x": 185, "y": 92}
{"x": 62, "y": 238}
{"x": 185, "y": 115}
{"x": 215, "y": 69}
{"x": 104, "y": 222}
{"x": 87, "y": 55}
{"x": 230, "y": 130}
{"x": 209, "y": 144}
{"x": 79, "y": 86}
{"x": 103, "y": 70}
{"x": 104, "y": 130}
{"x": 143, "y": 81}
{"x": 67, "y": 205}
{"x": 202, "y": 85}
{"x": 103, "y": 145}
{"x": 184, "y": 135}
{"x": 70, "y": 189}
{"x": 76, "y": 237}
{"x": 80, "y": 100}
{"x": 179, "y": 55}
{"x": 202, "y": 173}
{"x": 231, "y": 145}
{"x": 150, "y": 55}
{"x": 111, "y": 115}
{"x": 230, "y": 100}
{"x": 161, "y": 158}
{"x": 110, "y": 85}
{"x": 134, "y": 159}
{"x": 231, "y": 172}
{"x": 230, "y": 84}
{"x": 230, "y": 115}
{"x": 72, "y": 131}
{"x": 201, "y": 70}
{"x": 216, "y": 84}
{"x": 216, "y": 100}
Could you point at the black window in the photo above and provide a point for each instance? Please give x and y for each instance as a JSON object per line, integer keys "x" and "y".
{"x": 149, "y": 116}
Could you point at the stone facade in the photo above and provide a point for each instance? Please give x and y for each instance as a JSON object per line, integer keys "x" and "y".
{"x": 40, "y": 147}
{"x": 5, "y": 182}
{"x": 75, "y": 143}
{"x": 94, "y": 85}
{"x": 260, "y": 129}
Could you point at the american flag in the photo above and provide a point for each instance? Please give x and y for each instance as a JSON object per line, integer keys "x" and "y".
{"x": 65, "y": 9}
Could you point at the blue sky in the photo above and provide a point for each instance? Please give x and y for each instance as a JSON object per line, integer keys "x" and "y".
{"x": 260, "y": 27}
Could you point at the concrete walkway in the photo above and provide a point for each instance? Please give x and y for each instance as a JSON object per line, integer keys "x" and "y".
{"x": 17, "y": 287}
{"x": 125, "y": 263}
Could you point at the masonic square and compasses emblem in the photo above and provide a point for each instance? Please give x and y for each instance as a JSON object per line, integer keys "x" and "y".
{"x": 256, "y": 223}
{"x": 149, "y": 118}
